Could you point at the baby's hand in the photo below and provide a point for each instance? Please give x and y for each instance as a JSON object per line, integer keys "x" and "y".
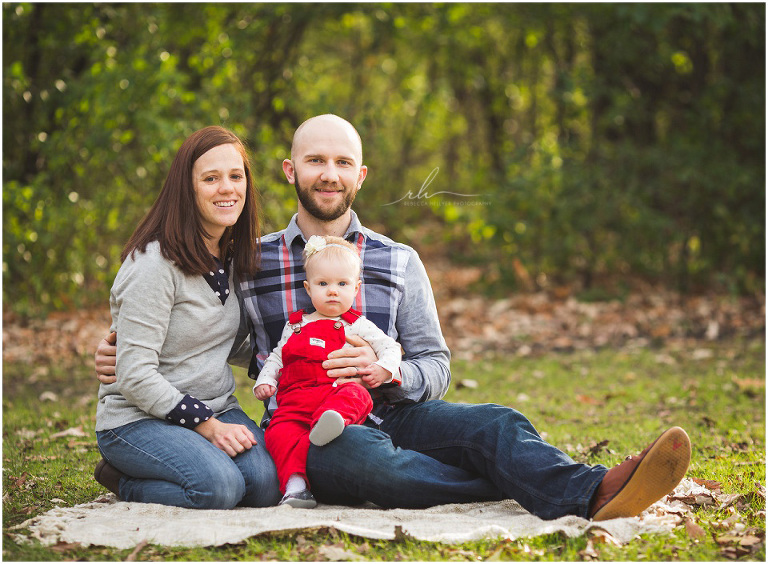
{"x": 263, "y": 391}
{"x": 374, "y": 376}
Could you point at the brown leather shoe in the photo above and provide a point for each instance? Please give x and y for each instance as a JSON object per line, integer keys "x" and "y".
{"x": 631, "y": 487}
{"x": 108, "y": 476}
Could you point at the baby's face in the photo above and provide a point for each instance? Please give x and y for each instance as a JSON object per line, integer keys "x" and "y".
{"x": 332, "y": 285}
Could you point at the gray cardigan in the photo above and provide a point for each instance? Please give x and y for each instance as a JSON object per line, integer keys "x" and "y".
{"x": 174, "y": 338}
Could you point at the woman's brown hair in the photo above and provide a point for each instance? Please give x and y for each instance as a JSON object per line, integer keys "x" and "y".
{"x": 174, "y": 219}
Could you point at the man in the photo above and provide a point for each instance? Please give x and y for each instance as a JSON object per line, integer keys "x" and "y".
{"x": 417, "y": 450}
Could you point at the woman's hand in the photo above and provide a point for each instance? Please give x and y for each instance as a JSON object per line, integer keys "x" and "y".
{"x": 229, "y": 437}
{"x": 106, "y": 358}
{"x": 264, "y": 391}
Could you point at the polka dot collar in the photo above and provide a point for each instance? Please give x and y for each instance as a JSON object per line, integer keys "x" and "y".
{"x": 218, "y": 280}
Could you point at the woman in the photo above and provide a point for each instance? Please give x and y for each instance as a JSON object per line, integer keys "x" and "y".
{"x": 170, "y": 429}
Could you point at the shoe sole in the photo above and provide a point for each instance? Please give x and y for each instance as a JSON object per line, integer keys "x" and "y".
{"x": 329, "y": 426}
{"x": 300, "y": 503}
{"x": 662, "y": 469}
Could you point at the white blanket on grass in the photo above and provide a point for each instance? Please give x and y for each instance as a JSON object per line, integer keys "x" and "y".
{"x": 118, "y": 524}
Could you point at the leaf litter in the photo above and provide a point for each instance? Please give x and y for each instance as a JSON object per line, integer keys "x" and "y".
{"x": 525, "y": 324}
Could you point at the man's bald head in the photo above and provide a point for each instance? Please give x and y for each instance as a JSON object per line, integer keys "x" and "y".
{"x": 325, "y": 126}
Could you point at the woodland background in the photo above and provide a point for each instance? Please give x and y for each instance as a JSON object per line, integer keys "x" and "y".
{"x": 604, "y": 145}
{"x": 599, "y": 261}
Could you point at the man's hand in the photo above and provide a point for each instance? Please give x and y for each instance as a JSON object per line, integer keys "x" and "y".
{"x": 264, "y": 391}
{"x": 229, "y": 437}
{"x": 349, "y": 363}
{"x": 106, "y": 358}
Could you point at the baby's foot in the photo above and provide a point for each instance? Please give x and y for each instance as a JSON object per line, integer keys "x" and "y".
{"x": 328, "y": 427}
{"x": 301, "y": 500}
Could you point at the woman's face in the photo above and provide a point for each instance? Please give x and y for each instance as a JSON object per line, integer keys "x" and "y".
{"x": 220, "y": 188}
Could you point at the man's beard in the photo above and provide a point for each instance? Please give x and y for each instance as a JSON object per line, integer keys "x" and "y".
{"x": 309, "y": 204}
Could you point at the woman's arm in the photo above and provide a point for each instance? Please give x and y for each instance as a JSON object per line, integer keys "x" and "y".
{"x": 142, "y": 299}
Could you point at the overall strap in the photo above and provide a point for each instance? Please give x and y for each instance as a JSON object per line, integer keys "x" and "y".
{"x": 351, "y": 315}
{"x": 295, "y": 320}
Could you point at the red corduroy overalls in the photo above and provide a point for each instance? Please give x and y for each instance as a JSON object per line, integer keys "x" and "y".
{"x": 305, "y": 391}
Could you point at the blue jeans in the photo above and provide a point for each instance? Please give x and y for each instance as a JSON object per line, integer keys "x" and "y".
{"x": 168, "y": 464}
{"x": 436, "y": 452}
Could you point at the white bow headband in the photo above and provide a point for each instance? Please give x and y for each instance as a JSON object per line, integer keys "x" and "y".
{"x": 317, "y": 244}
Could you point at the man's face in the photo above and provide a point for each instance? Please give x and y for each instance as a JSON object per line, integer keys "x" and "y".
{"x": 326, "y": 168}
{"x": 325, "y": 200}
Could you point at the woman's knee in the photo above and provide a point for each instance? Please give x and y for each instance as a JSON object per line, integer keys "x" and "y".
{"x": 262, "y": 488}
{"x": 222, "y": 489}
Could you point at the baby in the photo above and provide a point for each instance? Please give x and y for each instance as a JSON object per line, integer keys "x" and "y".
{"x": 312, "y": 407}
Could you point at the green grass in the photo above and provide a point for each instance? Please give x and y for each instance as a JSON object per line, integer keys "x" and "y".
{"x": 576, "y": 400}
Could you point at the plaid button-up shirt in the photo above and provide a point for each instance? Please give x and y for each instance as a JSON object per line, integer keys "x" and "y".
{"x": 395, "y": 295}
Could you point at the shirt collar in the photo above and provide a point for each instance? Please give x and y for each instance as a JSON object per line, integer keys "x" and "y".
{"x": 293, "y": 231}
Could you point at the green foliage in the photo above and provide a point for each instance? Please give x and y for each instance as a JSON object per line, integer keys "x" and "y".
{"x": 578, "y": 139}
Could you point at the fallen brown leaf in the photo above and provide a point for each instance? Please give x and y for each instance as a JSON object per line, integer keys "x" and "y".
{"x": 467, "y": 383}
{"x": 71, "y": 432}
{"x": 79, "y": 444}
{"x": 336, "y": 554}
{"x": 587, "y": 400}
{"x": 734, "y": 552}
{"x": 139, "y": 547}
{"x": 537, "y": 552}
{"x": 595, "y": 448}
{"x": 21, "y": 479}
{"x": 49, "y": 396}
{"x": 726, "y": 500}
{"x": 401, "y": 535}
{"x": 697, "y": 500}
{"x": 65, "y": 546}
{"x": 589, "y": 553}
{"x": 40, "y": 457}
{"x": 748, "y": 384}
{"x": 694, "y": 530}
{"x": 604, "y": 537}
{"x": 727, "y": 539}
{"x": 750, "y": 540}
{"x": 709, "y": 484}
{"x": 461, "y": 552}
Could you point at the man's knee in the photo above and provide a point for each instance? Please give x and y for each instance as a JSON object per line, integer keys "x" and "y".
{"x": 357, "y": 443}
{"x": 358, "y": 437}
